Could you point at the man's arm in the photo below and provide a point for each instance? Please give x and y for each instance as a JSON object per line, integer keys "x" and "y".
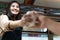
{"x": 53, "y": 26}
{"x": 50, "y": 24}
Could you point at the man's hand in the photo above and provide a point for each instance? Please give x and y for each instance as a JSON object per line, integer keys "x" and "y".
{"x": 40, "y": 20}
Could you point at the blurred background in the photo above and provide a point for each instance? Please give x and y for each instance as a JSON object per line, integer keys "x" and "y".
{"x": 49, "y": 7}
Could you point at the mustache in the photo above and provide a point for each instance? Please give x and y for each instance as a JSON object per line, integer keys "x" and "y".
{"x": 15, "y": 10}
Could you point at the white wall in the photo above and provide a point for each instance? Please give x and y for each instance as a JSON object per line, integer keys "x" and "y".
{"x": 48, "y": 3}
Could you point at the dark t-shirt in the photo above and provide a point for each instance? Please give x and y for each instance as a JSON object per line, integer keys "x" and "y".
{"x": 13, "y": 35}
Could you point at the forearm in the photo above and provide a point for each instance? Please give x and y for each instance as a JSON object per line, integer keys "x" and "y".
{"x": 53, "y": 26}
{"x": 18, "y": 23}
